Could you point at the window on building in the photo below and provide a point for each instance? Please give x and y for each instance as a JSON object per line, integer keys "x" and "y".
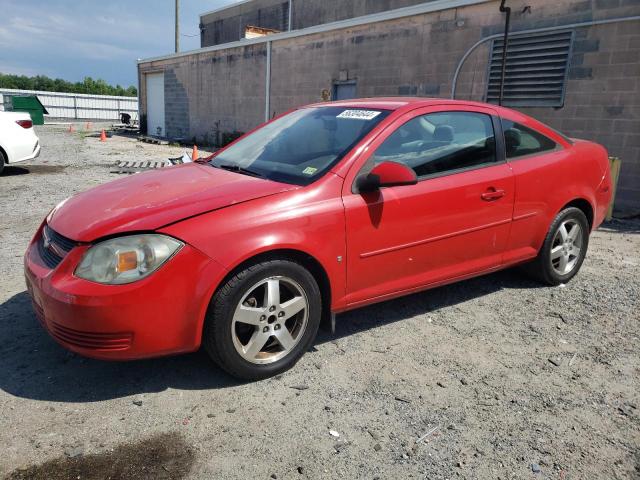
{"x": 344, "y": 90}
{"x": 441, "y": 142}
{"x": 536, "y": 69}
{"x": 520, "y": 140}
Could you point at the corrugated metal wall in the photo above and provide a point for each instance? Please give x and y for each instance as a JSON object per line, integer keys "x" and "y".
{"x": 79, "y": 106}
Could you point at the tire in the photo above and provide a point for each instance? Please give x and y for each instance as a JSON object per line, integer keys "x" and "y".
{"x": 558, "y": 261}
{"x": 3, "y": 161}
{"x": 246, "y": 311}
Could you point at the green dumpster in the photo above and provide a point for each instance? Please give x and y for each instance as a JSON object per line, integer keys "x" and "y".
{"x": 31, "y": 105}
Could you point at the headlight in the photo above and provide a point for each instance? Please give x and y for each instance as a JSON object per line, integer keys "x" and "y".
{"x": 126, "y": 259}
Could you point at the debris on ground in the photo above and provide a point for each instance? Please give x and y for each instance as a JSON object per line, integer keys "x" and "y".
{"x": 430, "y": 432}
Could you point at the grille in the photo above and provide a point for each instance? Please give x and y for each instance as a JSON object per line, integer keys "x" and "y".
{"x": 58, "y": 248}
{"x": 536, "y": 69}
{"x": 91, "y": 340}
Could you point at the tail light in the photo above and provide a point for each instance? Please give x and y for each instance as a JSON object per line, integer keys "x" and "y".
{"x": 25, "y": 123}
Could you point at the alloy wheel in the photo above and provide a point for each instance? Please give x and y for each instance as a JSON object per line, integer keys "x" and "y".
{"x": 566, "y": 247}
{"x": 270, "y": 320}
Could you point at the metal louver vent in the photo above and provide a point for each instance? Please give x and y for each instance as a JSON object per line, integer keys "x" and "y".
{"x": 536, "y": 69}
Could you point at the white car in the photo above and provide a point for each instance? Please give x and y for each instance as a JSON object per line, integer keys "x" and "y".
{"x": 18, "y": 140}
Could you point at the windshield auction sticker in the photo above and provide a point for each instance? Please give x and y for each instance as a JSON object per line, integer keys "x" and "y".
{"x": 359, "y": 114}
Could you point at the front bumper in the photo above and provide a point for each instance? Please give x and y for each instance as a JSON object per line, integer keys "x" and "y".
{"x": 160, "y": 315}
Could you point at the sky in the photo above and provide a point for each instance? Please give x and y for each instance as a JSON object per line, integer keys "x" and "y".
{"x": 73, "y": 39}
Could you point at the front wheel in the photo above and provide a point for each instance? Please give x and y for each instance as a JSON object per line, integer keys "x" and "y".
{"x": 564, "y": 248}
{"x": 262, "y": 320}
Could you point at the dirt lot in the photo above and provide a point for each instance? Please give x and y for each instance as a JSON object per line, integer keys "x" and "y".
{"x": 503, "y": 378}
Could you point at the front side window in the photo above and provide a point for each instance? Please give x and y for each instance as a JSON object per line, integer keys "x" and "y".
{"x": 300, "y": 147}
{"x": 520, "y": 140}
{"x": 441, "y": 142}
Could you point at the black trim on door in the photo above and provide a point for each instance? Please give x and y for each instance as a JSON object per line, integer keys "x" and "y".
{"x": 501, "y": 151}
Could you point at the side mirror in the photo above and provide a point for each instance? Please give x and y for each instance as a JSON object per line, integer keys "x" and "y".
{"x": 387, "y": 174}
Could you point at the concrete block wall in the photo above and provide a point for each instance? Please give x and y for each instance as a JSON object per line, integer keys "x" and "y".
{"x": 211, "y": 93}
{"x": 225, "y": 90}
{"x": 307, "y": 13}
{"x": 176, "y": 106}
{"x": 228, "y": 25}
{"x": 411, "y": 56}
{"x": 602, "y": 100}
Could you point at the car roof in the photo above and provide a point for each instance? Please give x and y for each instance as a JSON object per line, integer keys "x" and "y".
{"x": 395, "y": 103}
{"x": 410, "y": 103}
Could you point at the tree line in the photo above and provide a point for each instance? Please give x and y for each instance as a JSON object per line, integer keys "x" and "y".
{"x": 44, "y": 83}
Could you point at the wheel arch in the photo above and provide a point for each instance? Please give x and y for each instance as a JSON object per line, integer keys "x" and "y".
{"x": 306, "y": 260}
{"x": 583, "y": 205}
{"x": 3, "y": 151}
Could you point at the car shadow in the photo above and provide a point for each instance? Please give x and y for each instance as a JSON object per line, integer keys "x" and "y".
{"x": 11, "y": 171}
{"x": 385, "y": 313}
{"x": 619, "y": 225}
{"x": 35, "y": 367}
{"x": 41, "y": 169}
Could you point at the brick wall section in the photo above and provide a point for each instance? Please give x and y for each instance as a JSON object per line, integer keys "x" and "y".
{"x": 417, "y": 56}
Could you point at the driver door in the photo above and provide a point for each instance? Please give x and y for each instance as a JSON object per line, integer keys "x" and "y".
{"x": 453, "y": 223}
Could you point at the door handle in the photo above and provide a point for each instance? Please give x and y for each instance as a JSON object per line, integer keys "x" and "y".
{"x": 492, "y": 194}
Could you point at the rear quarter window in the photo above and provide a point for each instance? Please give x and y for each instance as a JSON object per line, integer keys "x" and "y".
{"x": 520, "y": 140}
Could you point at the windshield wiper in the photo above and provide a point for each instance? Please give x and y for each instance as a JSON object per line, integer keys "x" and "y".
{"x": 239, "y": 169}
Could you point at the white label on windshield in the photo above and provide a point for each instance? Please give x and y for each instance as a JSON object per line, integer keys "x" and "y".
{"x": 359, "y": 114}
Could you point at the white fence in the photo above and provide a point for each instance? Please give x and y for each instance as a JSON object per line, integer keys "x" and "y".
{"x": 78, "y": 105}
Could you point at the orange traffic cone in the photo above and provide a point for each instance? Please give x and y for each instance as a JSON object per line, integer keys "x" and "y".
{"x": 71, "y": 129}
{"x": 194, "y": 153}
{"x": 103, "y": 136}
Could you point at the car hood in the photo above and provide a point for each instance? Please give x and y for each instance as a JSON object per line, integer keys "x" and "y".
{"x": 150, "y": 200}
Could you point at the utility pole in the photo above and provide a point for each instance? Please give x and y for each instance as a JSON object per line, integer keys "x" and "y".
{"x": 290, "y": 18}
{"x": 177, "y": 26}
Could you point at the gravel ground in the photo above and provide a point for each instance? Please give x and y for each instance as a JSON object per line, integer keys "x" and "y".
{"x": 502, "y": 377}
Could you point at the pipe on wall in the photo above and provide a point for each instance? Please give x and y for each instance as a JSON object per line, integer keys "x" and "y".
{"x": 456, "y": 74}
{"x": 505, "y": 42}
{"x": 267, "y": 85}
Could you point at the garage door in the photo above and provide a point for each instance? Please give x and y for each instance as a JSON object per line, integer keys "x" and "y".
{"x": 155, "y": 105}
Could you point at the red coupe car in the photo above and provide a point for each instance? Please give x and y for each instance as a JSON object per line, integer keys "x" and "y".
{"x": 324, "y": 209}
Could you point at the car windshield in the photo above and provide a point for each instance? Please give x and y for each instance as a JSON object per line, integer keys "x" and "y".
{"x": 302, "y": 146}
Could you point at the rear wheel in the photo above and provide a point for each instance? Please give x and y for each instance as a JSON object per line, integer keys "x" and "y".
{"x": 262, "y": 320}
{"x": 564, "y": 248}
{"x": 3, "y": 161}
